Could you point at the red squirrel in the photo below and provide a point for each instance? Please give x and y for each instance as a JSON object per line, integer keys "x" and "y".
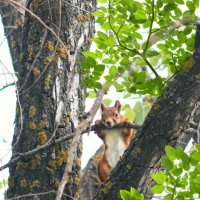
{"x": 115, "y": 141}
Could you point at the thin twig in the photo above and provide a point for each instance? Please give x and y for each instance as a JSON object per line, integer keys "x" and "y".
{"x": 135, "y": 51}
{"x": 14, "y": 4}
{"x": 7, "y": 85}
{"x": 38, "y": 194}
{"x": 150, "y": 28}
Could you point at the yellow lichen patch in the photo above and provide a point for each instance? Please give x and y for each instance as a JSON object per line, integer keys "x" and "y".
{"x": 128, "y": 166}
{"x": 197, "y": 77}
{"x": 62, "y": 157}
{"x": 21, "y": 56}
{"x": 47, "y": 60}
{"x": 80, "y": 147}
{"x": 14, "y": 43}
{"x": 77, "y": 195}
{"x": 42, "y": 124}
{"x": 32, "y": 126}
{"x": 63, "y": 52}
{"x": 78, "y": 162}
{"x": 57, "y": 183}
{"x": 67, "y": 120}
{"x": 36, "y": 161}
{"x": 30, "y": 50}
{"x": 138, "y": 150}
{"x": 107, "y": 187}
{"x": 70, "y": 180}
{"x": 188, "y": 65}
{"x": 11, "y": 182}
{"x": 32, "y": 111}
{"x": 23, "y": 183}
{"x": 47, "y": 80}
{"x": 35, "y": 5}
{"x": 36, "y": 71}
{"x": 55, "y": 58}
{"x": 19, "y": 21}
{"x": 21, "y": 165}
{"x": 42, "y": 137}
{"x": 35, "y": 184}
{"x": 53, "y": 164}
{"x": 50, "y": 46}
{"x": 82, "y": 18}
{"x": 77, "y": 180}
{"x": 49, "y": 170}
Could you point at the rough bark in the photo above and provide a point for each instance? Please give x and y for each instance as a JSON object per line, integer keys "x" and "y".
{"x": 49, "y": 91}
{"x": 164, "y": 125}
{"x": 90, "y": 182}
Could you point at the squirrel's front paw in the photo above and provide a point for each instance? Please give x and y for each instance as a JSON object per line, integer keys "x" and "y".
{"x": 97, "y": 122}
{"x": 127, "y": 121}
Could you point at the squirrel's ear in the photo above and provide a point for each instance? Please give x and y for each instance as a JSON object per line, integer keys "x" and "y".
{"x": 102, "y": 106}
{"x": 118, "y": 105}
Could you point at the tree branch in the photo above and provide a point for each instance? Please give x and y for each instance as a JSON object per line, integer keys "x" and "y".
{"x": 94, "y": 128}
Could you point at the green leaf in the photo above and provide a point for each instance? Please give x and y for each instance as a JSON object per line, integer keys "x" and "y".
{"x": 102, "y": 1}
{"x": 89, "y": 54}
{"x": 137, "y": 35}
{"x": 125, "y": 195}
{"x": 177, "y": 172}
{"x": 168, "y": 197}
{"x": 181, "y": 37}
{"x": 140, "y": 77}
{"x": 170, "y": 7}
{"x": 197, "y": 147}
{"x": 107, "y": 101}
{"x": 113, "y": 70}
{"x": 151, "y": 53}
{"x": 197, "y": 179}
{"x": 195, "y": 155}
{"x": 108, "y": 61}
{"x": 102, "y": 35}
{"x": 91, "y": 94}
{"x": 162, "y": 46}
{"x": 169, "y": 189}
{"x": 190, "y": 5}
{"x": 97, "y": 85}
{"x": 180, "y": 2}
{"x": 159, "y": 178}
{"x": 171, "y": 152}
{"x": 167, "y": 163}
{"x": 98, "y": 14}
{"x": 100, "y": 68}
{"x": 88, "y": 63}
{"x": 130, "y": 114}
{"x": 157, "y": 189}
{"x": 178, "y": 12}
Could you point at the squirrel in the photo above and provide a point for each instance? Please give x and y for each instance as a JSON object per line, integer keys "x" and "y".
{"x": 115, "y": 141}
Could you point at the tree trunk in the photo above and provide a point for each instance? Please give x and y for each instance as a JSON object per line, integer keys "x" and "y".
{"x": 49, "y": 91}
{"x": 164, "y": 125}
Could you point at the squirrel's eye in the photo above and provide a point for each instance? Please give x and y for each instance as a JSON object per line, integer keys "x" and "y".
{"x": 116, "y": 114}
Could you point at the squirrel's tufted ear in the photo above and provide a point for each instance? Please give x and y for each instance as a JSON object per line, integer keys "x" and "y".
{"x": 103, "y": 107}
{"x": 118, "y": 105}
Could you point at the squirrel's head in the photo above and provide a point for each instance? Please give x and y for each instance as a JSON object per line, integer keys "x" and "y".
{"x": 111, "y": 115}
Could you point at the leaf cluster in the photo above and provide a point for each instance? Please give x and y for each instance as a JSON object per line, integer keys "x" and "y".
{"x": 137, "y": 40}
{"x": 180, "y": 178}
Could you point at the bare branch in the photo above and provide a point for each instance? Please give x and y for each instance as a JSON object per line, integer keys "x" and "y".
{"x": 50, "y": 143}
